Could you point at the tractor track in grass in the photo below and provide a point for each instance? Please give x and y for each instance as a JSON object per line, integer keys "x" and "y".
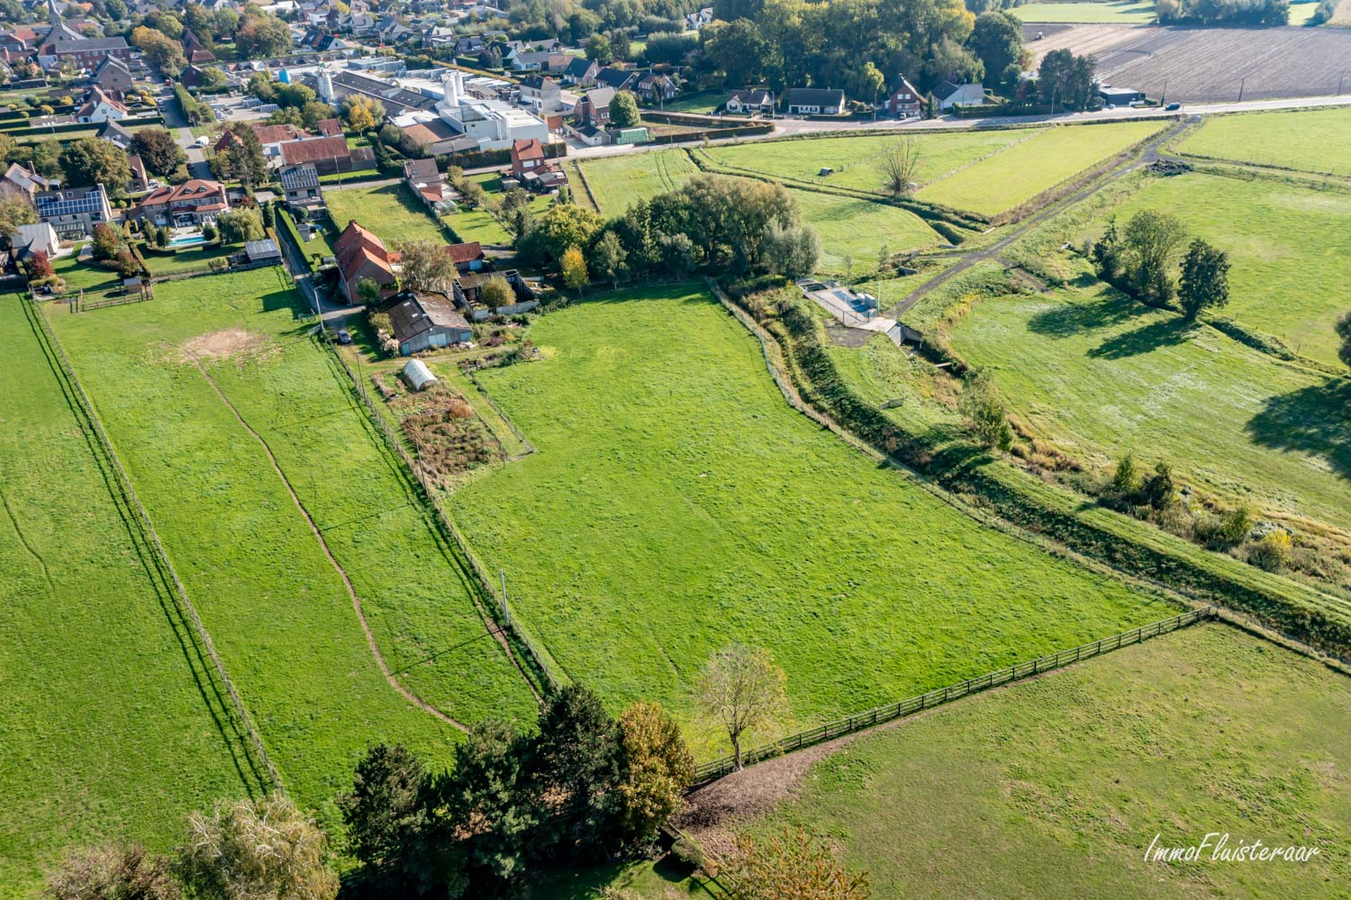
{"x": 323, "y": 544}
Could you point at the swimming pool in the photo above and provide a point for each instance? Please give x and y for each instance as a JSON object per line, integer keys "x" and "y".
{"x": 194, "y": 240}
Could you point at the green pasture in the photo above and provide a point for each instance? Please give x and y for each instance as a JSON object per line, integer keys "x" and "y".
{"x": 391, "y": 211}
{"x": 855, "y": 160}
{"x": 1099, "y": 374}
{"x": 275, "y": 606}
{"x": 188, "y": 260}
{"x": 617, "y": 181}
{"x": 1120, "y": 12}
{"x": 105, "y": 730}
{"x": 858, "y": 229}
{"x": 1056, "y": 787}
{"x": 865, "y": 587}
{"x": 1309, "y": 140}
{"x": 1288, "y": 249}
{"x": 1028, "y": 168}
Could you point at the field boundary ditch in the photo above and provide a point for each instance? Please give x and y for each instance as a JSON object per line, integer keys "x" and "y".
{"x": 879, "y": 715}
{"x": 247, "y": 741}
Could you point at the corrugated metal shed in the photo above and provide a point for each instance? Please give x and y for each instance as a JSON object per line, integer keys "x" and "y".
{"x": 418, "y": 376}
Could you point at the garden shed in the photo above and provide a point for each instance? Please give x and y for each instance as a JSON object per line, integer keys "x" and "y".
{"x": 418, "y": 376}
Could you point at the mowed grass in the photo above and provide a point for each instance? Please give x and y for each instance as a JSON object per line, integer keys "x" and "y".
{"x": 1126, "y": 12}
{"x": 105, "y": 732}
{"x": 390, "y": 211}
{"x": 274, "y": 604}
{"x": 618, "y": 181}
{"x": 480, "y": 225}
{"x": 1026, "y": 169}
{"x": 856, "y": 159}
{"x": 188, "y": 260}
{"x": 1289, "y": 251}
{"x": 1056, "y": 787}
{"x": 1309, "y": 140}
{"x": 1101, "y": 374}
{"x": 858, "y": 229}
{"x": 677, "y": 504}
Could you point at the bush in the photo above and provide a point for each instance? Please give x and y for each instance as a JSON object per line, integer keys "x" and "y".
{"x": 1221, "y": 532}
{"x": 1272, "y": 552}
{"x": 688, "y": 853}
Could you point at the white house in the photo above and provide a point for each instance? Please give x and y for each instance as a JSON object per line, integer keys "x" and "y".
{"x": 949, "y": 95}
{"x": 813, "y": 102}
{"x": 99, "y": 107}
{"x": 745, "y": 102}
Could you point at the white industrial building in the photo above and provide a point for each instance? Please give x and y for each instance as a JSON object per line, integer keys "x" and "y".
{"x": 494, "y": 124}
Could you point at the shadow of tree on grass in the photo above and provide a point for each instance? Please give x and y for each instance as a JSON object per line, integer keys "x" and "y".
{"x": 1145, "y": 339}
{"x": 1064, "y": 320}
{"x": 1314, "y": 419}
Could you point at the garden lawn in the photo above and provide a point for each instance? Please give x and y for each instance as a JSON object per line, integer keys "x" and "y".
{"x": 1058, "y": 786}
{"x": 699, "y": 102}
{"x": 1288, "y": 249}
{"x": 390, "y": 211}
{"x": 618, "y": 181}
{"x": 855, "y": 159}
{"x": 187, "y": 260}
{"x": 1123, "y": 12}
{"x": 274, "y": 604}
{"x": 1099, "y": 374}
{"x": 88, "y": 276}
{"x": 105, "y": 730}
{"x": 858, "y": 229}
{"x": 1028, "y": 168}
{"x": 1312, "y": 140}
{"x": 678, "y": 504}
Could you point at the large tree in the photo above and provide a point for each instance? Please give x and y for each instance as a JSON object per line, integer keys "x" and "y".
{"x": 362, "y": 113}
{"x": 576, "y": 762}
{"x": 262, "y": 36}
{"x": 1153, "y": 241}
{"x": 1205, "y": 279}
{"x": 90, "y": 161}
{"x": 1343, "y": 329}
{"x": 899, "y": 162}
{"x": 997, "y": 41}
{"x": 657, "y": 768}
{"x": 242, "y": 158}
{"x": 15, "y": 210}
{"x": 739, "y": 50}
{"x": 1065, "y": 81}
{"x": 426, "y": 266}
{"x": 740, "y": 689}
{"x": 165, "y": 52}
{"x": 158, "y": 150}
{"x": 239, "y": 225}
{"x": 387, "y": 818}
{"x": 624, "y": 110}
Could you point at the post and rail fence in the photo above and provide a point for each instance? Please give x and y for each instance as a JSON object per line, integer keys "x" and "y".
{"x": 715, "y": 769}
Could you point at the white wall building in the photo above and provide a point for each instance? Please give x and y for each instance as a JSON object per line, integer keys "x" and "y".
{"x": 494, "y": 124}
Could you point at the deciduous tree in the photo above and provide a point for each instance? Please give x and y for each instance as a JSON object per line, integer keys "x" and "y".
{"x": 239, "y": 225}
{"x": 657, "y": 766}
{"x": 607, "y": 258}
{"x": 15, "y": 210}
{"x": 158, "y": 150}
{"x": 426, "y": 266}
{"x": 114, "y": 872}
{"x": 624, "y": 110}
{"x": 740, "y": 689}
{"x": 165, "y": 52}
{"x": 1343, "y": 329}
{"x": 497, "y": 292}
{"x": 1205, "y": 279}
{"x": 573, "y": 267}
{"x": 899, "y": 162}
{"x": 362, "y": 113}
{"x": 791, "y": 863}
{"x": 90, "y": 161}
{"x": 984, "y": 412}
{"x": 262, "y": 36}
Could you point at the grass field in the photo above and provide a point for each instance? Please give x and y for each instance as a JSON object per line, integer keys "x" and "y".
{"x": 274, "y": 604}
{"x": 188, "y": 260}
{"x": 1056, "y": 787}
{"x": 1288, "y": 248}
{"x": 1125, "y": 12}
{"x": 1100, "y": 373}
{"x": 618, "y": 181}
{"x": 699, "y": 102}
{"x": 84, "y": 276}
{"x": 855, "y": 159}
{"x": 865, "y": 587}
{"x": 860, "y": 228}
{"x": 105, "y": 730}
{"x": 1028, "y": 168}
{"x": 390, "y": 211}
{"x": 1311, "y": 140}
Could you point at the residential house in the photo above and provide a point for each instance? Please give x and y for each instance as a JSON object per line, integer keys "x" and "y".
{"x": 140, "y": 181}
{"x": 329, "y": 128}
{"x": 949, "y": 95}
{"x": 73, "y": 212}
{"x": 82, "y": 52}
{"x": 362, "y": 255}
{"x": 113, "y": 74}
{"x": 617, "y": 79}
{"x": 699, "y": 18}
{"x": 190, "y": 204}
{"x": 29, "y": 239}
{"x": 194, "y": 50}
{"x": 594, "y": 107}
{"x": 300, "y": 184}
{"x": 116, "y": 133}
{"x": 750, "y": 101}
{"x": 424, "y": 180}
{"x": 100, "y": 107}
{"x": 541, "y": 61}
{"x": 580, "y": 72}
{"x": 813, "y": 102}
{"x": 329, "y": 155}
{"x": 273, "y": 136}
{"x": 467, "y": 257}
{"x": 904, "y": 99}
{"x": 653, "y": 88}
{"x": 541, "y": 93}
{"x": 527, "y": 156}
{"x": 426, "y": 321}
{"x": 26, "y": 179}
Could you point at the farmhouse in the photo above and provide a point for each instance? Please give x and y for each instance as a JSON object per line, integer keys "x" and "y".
{"x": 532, "y": 170}
{"x": 949, "y": 95}
{"x": 328, "y": 155}
{"x": 426, "y": 321}
{"x": 300, "y": 183}
{"x": 361, "y": 255}
{"x": 751, "y": 101}
{"x": 813, "y": 102}
{"x": 74, "y": 212}
{"x": 904, "y": 99}
{"x": 424, "y": 180}
{"x": 192, "y": 203}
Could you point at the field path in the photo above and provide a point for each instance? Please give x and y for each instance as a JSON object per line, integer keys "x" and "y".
{"x": 351, "y": 590}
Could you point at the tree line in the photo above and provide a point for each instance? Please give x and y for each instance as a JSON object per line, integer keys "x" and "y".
{"x": 1140, "y": 259}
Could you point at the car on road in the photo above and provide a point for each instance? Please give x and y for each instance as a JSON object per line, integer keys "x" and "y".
{"x": 1171, "y": 107}
{"x": 202, "y": 141}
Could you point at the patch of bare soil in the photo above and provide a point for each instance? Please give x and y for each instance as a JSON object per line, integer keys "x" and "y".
{"x": 228, "y": 343}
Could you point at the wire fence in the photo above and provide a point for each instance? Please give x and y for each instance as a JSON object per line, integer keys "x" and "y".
{"x": 538, "y": 659}
{"x": 710, "y": 771}
{"x": 253, "y": 746}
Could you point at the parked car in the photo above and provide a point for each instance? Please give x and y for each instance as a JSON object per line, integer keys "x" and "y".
{"x": 344, "y": 336}
{"x": 1171, "y": 107}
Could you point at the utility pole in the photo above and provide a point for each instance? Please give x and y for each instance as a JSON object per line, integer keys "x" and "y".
{"x": 1241, "y": 83}
{"x": 1340, "y": 82}
{"x": 1163, "y": 100}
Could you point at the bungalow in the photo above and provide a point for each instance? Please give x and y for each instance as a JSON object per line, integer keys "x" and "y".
{"x": 424, "y": 180}
{"x": 100, "y": 107}
{"x": 467, "y": 257}
{"x": 424, "y": 320}
{"x": 753, "y": 101}
{"x": 74, "y": 212}
{"x": 813, "y": 102}
{"x": 904, "y": 99}
{"x": 192, "y": 203}
{"x": 300, "y": 184}
{"x": 949, "y": 95}
{"x": 361, "y": 255}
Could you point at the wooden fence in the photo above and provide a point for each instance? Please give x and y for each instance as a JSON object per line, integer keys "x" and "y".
{"x": 255, "y": 752}
{"x": 710, "y": 771}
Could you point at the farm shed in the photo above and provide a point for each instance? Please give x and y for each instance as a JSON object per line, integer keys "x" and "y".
{"x": 1119, "y": 96}
{"x": 262, "y": 251}
{"x": 427, "y": 321}
{"x": 418, "y": 376}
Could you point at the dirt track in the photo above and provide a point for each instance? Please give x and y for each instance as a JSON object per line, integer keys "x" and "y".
{"x": 1211, "y": 64}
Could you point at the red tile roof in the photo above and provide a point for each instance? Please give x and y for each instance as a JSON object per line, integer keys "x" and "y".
{"x": 463, "y": 253}
{"x": 315, "y": 149}
{"x": 275, "y": 134}
{"x": 356, "y": 248}
{"x": 192, "y": 189}
{"x": 330, "y": 127}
